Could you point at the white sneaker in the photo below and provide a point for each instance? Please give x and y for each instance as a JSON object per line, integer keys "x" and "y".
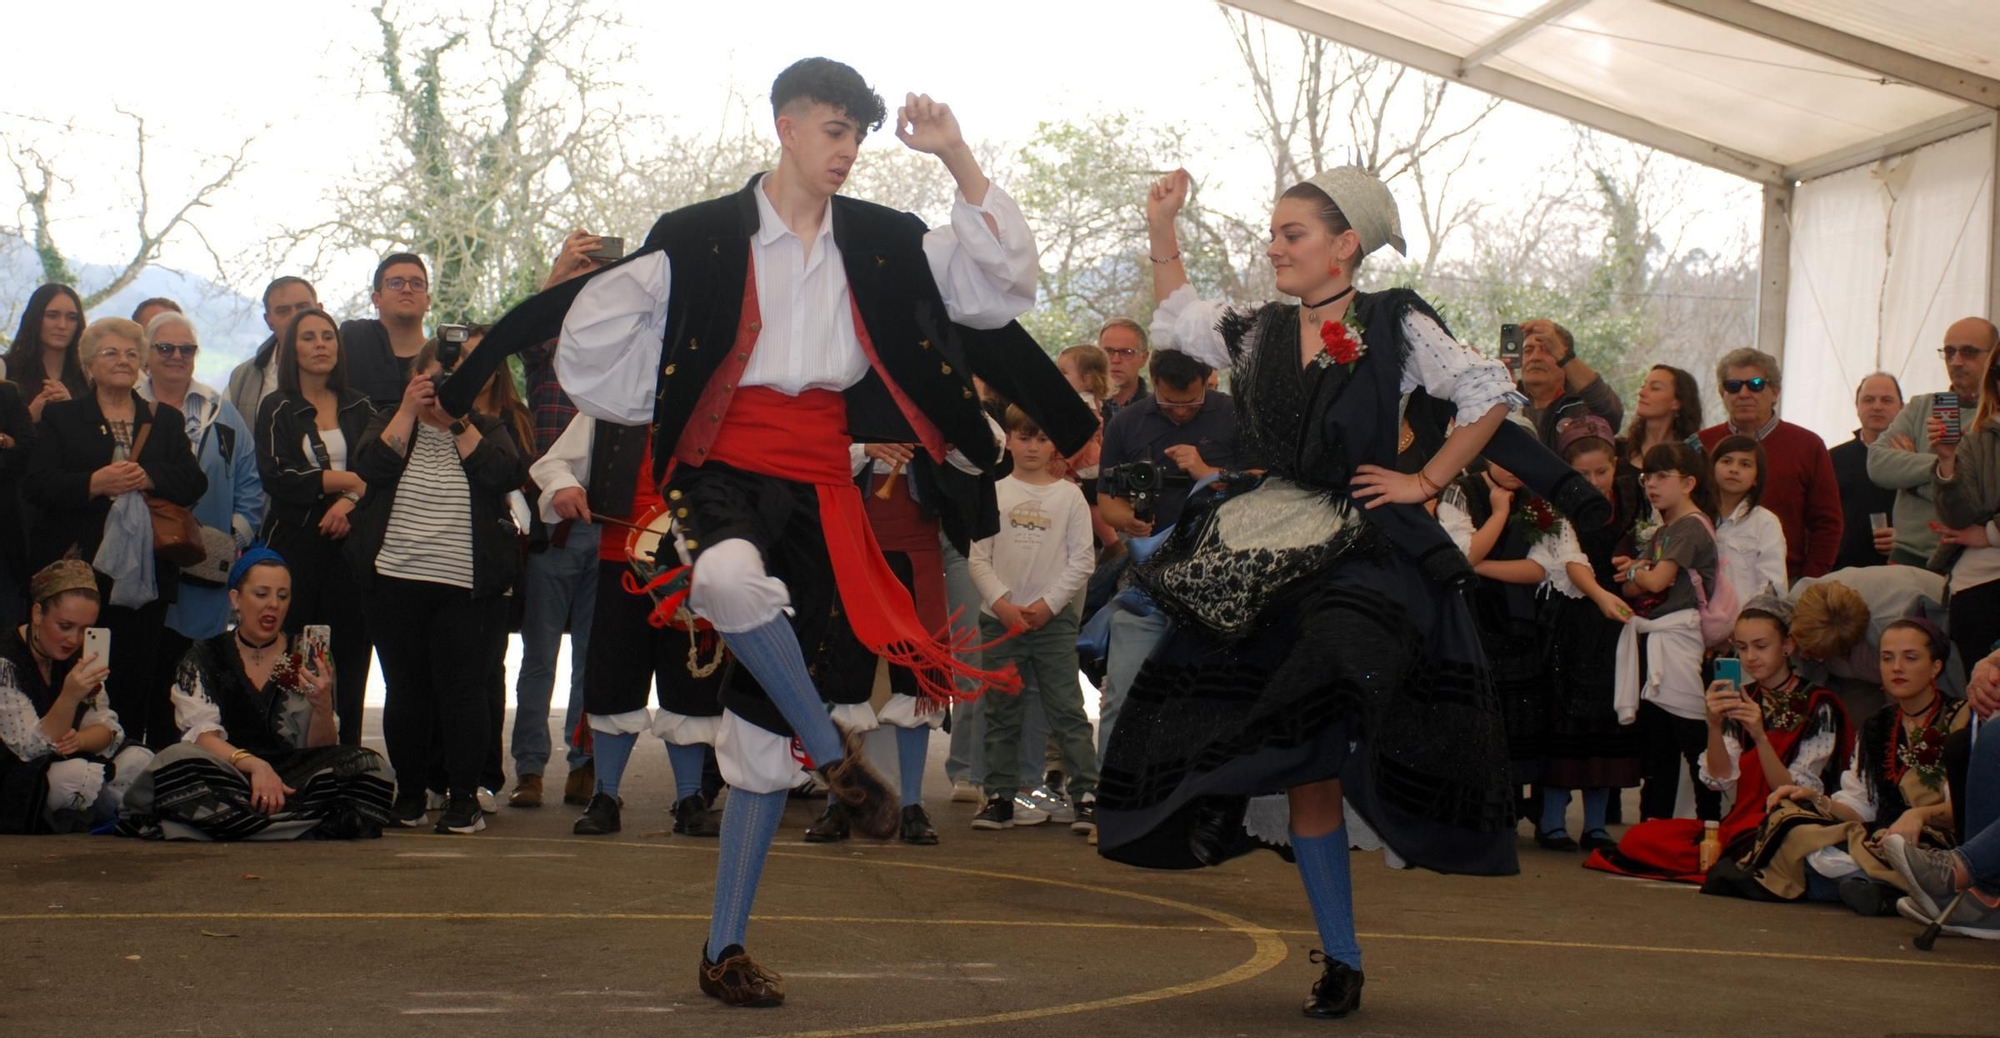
{"x": 1027, "y": 813}
{"x": 1057, "y": 806}
{"x": 963, "y": 792}
{"x": 488, "y": 802}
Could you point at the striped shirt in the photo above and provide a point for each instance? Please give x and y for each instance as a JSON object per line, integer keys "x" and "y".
{"x": 429, "y": 537}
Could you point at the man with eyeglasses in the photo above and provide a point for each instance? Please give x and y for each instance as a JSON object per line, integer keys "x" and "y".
{"x": 1800, "y": 486}
{"x": 380, "y": 349}
{"x": 1123, "y": 341}
{"x": 1901, "y": 459}
{"x": 256, "y": 378}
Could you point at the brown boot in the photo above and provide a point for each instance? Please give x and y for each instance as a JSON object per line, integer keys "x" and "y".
{"x": 738, "y": 981}
{"x": 527, "y": 791}
{"x": 582, "y": 782}
{"x": 869, "y": 805}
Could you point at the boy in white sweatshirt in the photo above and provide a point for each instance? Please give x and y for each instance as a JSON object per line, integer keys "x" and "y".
{"x": 1030, "y": 578}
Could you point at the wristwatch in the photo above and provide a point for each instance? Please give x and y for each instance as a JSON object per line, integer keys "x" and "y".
{"x": 458, "y": 427}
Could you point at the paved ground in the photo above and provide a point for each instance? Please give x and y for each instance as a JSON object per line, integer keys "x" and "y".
{"x": 527, "y": 930}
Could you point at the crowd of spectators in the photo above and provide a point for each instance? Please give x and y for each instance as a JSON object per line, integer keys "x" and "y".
{"x": 194, "y": 584}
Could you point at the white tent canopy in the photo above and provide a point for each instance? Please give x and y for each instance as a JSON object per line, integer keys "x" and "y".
{"x": 1876, "y": 235}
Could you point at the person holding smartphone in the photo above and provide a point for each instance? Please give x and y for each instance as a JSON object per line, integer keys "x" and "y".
{"x": 1792, "y": 732}
{"x": 60, "y": 768}
{"x": 1902, "y": 458}
{"x": 1965, "y": 487}
{"x": 258, "y": 757}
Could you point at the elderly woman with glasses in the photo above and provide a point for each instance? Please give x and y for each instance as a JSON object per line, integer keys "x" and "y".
{"x": 88, "y": 451}
{"x": 233, "y": 504}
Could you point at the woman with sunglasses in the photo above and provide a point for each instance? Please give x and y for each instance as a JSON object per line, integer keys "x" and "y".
{"x": 88, "y": 451}
{"x": 233, "y": 504}
{"x": 1800, "y": 488}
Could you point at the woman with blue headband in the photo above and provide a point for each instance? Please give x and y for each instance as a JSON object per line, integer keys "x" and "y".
{"x": 259, "y": 756}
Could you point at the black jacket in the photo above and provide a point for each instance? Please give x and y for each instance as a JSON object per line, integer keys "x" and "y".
{"x": 931, "y": 359}
{"x": 290, "y": 473}
{"x": 372, "y": 366}
{"x": 74, "y": 441}
{"x": 14, "y": 422}
{"x": 493, "y": 470}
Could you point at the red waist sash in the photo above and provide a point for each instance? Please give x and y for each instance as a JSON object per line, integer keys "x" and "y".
{"x": 804, "y": 439}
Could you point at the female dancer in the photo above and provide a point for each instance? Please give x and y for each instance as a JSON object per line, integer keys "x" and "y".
{"x": 1320, "y": 648}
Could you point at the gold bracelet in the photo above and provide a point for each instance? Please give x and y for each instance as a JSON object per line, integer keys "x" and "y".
{"x": 1164, "y": 262}
{"x": 1431, "y": 488}
{"x": 238, "y": 756}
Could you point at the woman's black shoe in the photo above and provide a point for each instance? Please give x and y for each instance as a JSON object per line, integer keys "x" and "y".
{"x": 1555, "y": 840}
{"x": 600, "y": 818}
{"x": 1217, "y": 830}
{"x": 1337, "y": 992}
{"x": 830, "y": 827}
{"x": 917, "y": 829}
{"x": 693, "y": 818}
{"x": 1598, "y": 840}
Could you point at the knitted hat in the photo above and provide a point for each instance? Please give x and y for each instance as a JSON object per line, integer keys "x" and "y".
{"x": 1366, "y": 203}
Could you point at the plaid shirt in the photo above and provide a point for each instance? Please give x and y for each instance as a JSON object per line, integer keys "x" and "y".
{"x": 547, "y": 403}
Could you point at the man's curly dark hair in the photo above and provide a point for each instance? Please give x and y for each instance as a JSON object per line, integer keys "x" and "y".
{"x": 826, "y": 81}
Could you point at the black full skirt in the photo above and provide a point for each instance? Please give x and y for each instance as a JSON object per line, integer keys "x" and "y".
{"x": 1367, "y": 672}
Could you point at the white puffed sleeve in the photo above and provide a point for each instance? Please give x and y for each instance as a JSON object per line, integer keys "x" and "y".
{"x": 986, "y": 279}
{"x": 1811, "y": 756}
{"x": 193, "y": 710}
{"x": 566, "y": 465}
{"x": 97, "y": 710}
{"x": 1554, "y": 553}
{"x": 1450, "y": 371}
{"x": 609, "y": 358}
{"x": 1723, "y": 779}
{"x": 1457, "y": 522}
{"x": 1855, "y": 790}
{"x": 1186, "y": 322}
{"x": 20, "y": 725}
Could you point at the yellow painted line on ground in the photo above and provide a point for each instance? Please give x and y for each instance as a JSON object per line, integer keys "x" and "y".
{"x": 1245, "y": 929}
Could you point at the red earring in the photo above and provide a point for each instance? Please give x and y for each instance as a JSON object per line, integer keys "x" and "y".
{"x": 1333, "y": 271}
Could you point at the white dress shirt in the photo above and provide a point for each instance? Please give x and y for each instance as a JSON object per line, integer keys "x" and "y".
{"x": 612, "y": 336}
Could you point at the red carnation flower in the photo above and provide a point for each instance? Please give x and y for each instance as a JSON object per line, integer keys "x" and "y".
{"x": 1340, "y": 343}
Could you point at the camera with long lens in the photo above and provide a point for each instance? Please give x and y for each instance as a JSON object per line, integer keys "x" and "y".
{"x": 450, "y": 350}
{"x": 1140, "y": 483}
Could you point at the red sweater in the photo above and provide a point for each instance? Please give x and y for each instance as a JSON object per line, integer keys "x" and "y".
{"x": 1802, "y": 490}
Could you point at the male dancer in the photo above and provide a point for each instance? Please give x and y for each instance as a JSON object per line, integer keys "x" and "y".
{"x": 761, "y": 334}
{"x": 601, "y": 472}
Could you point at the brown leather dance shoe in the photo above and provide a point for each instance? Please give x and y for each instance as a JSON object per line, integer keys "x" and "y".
{"x": 738, "y": 981}
{"x": 869, "y": 805}
{"x": 582, "y": 782}
{"x": 527, "y": 792}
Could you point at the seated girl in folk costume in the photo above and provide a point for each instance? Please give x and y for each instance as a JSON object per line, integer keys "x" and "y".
{"x": 1793, "y": 733}
{"x": 1822, "y": 848}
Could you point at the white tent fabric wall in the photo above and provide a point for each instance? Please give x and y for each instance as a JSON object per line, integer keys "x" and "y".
{"x": 1884, "y": 258}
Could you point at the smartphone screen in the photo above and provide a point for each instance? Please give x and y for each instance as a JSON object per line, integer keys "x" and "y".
{"x": 318, "y": 638}
{"x": 1730, "y": 670}
{"x": 97, "y": 643}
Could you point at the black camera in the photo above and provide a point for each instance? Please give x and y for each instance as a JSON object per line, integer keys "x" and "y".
{"x": 451, "y": 339}
{"x": 1140, "y": 482}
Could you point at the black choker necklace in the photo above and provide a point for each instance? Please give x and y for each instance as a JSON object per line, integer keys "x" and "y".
{"x": 252, "y": 646}
{"x": 1332, "y": 299}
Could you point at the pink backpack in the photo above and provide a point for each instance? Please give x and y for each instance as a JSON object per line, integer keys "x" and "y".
{"x": 1717, "y": 611}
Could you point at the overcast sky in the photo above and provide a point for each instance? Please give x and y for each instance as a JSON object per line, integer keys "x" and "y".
{"x": 207, "y": 75}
